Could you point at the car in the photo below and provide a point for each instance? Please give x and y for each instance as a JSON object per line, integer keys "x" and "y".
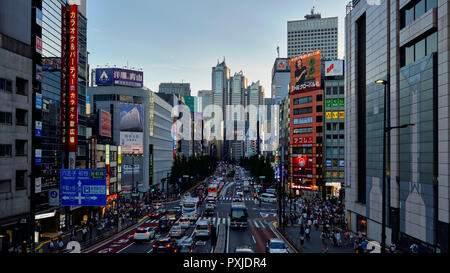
{"x": 173, "y": 214}
{"x": 268, "y": 198}
{"x": 202, "y": 229}
{"x": 209, "y": 210}
{"x": 184, "y": 223}
{"x": 156, "y": 214}
{"x": 164, "y": 224}
{"x": 158, "y": 205}
{"x": 244, "y": 249}
{"x": 271, "y": 190}
{"x": 164, "y": 245}
{"x": 274, "y": 245}
{"x": 176, "y": 231}
{"x": 144, "y": 234}
{"x": 237, "y": 198}
{"x": 240, "y": 193}
{"x": 185, "y": 246}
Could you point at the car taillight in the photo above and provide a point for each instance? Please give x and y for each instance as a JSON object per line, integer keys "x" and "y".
{"x": 168, "y": 245}
{"x": 154, "y": 245}
{"x": 196, "y": 215}
{"x": 175, "y": 250}
{"x": 147, "y": 234}
{"x": 179, "y": 231}
{"x": 190, "y": 250}
{"x": 170, "y": 232}
{"x": 135, "y": 234}
{"x": 208, "y": 230}
{"x": 195, "y": 231}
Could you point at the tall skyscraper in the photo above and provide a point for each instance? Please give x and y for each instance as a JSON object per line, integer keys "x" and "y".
{"x": 221, "y": 89}
{"x": 255, "y": 97}
{"x": 238, "y": 84}
{"x": 406, "y": 44}
{"x": 313, "y": 33}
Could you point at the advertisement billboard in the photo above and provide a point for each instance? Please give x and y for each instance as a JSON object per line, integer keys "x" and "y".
{"x": 73, "y": 79}
{"x": 305, "y": 72}
{"x": 334, "y": 68}
{"x": 132, "y": 143}
{"x": 51, "y": 64}
{"x": 119, "y": 76}
{"x": 131, "y": 118}
{"x": 105, "y": 123}
{"x": 282, "y": 65}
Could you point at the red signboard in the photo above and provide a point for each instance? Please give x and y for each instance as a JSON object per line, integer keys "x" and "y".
{"x": 73, "y": 78}
{"x": 105, "y": 124}
{"x": 300, "y": 140}
{"x": 63, "y": 75}
{"x": 38, "y": 45}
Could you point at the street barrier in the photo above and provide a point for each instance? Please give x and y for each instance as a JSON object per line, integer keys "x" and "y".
{"x": 221, "y": 239}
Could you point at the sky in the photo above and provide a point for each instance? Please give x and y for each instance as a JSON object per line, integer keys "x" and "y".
{"x": 181, "y": 40}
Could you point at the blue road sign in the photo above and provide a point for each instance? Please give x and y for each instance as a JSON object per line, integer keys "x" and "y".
{"x": 83, "y": 187}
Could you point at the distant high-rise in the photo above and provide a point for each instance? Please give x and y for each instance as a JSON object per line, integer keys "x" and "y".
{"x": 182, "y": 89}
{"x": 312, "y": 34}
{"x": 238, "y": 84}
{"x": 220, "y": 89}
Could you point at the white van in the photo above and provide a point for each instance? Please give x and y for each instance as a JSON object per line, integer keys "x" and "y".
{"x": 268, "y": 198}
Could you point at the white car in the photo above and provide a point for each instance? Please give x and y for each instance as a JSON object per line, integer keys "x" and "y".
{"x": 276, "y": 246}
{"x": 202, "y": 229}
{"x": 240, "y": 193}
{"x": 184, "y": 223}
{"x": 176, "y": 231}
{"x": 144, "y": 234}
{"x": 268, "y": 198}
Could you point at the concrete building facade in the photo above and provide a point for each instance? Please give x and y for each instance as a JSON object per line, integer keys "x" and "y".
{"x": 405, "y": 43}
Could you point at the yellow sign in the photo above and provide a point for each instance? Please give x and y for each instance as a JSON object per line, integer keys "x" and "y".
{"x": 335, "y": 115}
{"x": 341, "y": 114}
{"x": 328, "y": 115}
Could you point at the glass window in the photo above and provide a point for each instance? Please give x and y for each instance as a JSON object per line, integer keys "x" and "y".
{"x": 335, "y": 90}
{"x": 319, "y": 108}
{"x": 319, "y": 119}
{"x": 409, "y": 16}
{"x": 419, "y": 9}
{"x": 328, "y": 126}
{"x": 409, "y": 54}
{"x": 20, "y": 180}
{"x": 431, "y": 4}
{"x": 420, "y": 49}
{"x": 318, "y": 129}
{"x": 5, "y": 186}
{"x": 432, "y": 43}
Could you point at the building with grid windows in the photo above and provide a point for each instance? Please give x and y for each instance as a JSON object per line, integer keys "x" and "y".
{"x": 311, "y": 34}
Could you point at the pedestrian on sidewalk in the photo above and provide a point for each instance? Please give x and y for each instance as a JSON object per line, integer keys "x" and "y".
{"x": 392, "y": 248}
{"x": 323, "y": 237}
{"x": 302, "y": 241}
{"x": 333, "y": 237}
{"x": 84, "y": 232}
{"x": 291, "y": 216}
{"x": 325, "y": 248}
{"x": 316, "y": 224}
{"x": 338, "y": 238}
{"x": 72, "y": 234}
{"x": 51, "y": 246}
{"x": 60, "y": 244}
{"x": 307, "y": 233}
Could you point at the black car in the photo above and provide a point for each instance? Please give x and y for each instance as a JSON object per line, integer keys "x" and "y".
{"x": 185, "y": 247}
{"x": 165, "y": 245}
{"x": 164, "y": 224}
{"x": 156, "y": 214}
{"x": 173, "y": 214}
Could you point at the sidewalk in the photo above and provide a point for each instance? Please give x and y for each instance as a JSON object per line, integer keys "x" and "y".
{"x": 314, "y": 245}
{"x": 92, "y": 238}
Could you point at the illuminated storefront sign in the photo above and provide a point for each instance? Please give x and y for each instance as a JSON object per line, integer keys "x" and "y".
{"x": 63, "y": 108}
{"x": 73, "y": 78}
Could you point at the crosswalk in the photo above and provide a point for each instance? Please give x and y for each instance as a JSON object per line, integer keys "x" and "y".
{"x": 231, "y": 198}
{"x": 225, "y": 221}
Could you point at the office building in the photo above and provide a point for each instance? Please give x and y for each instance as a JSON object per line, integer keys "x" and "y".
{"x": 235, "y": 119}
{"x": 255, "y": 98}
{"x": 406, "y": 44}
{"x": 334, "y": 127}
{"x": 161, "y": 140}
{"x": 313, "y": 33}
{"x": 181, "y": 89}
{"x": 16, "y": 96}
{"x": 281, "y": 76}
{"x": 221, "y": 89}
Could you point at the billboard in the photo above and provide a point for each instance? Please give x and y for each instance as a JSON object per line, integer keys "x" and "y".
{"x": 51, "y": 64}
{"x": 131, "y": 129}
{"x": 334, "y": 68}
{"x": 282, "y": 65}
{"x": 119, "y": 76}
{"x": 73, "y": 79}
{"x": 105, "y": 123}
{"x": 305, "y": 72}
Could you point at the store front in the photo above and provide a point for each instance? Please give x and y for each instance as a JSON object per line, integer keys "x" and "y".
{"x": 333, "y": 189}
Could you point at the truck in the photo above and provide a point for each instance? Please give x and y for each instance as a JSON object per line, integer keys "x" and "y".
{"x": 189, "y": 209}
{"x": 246, "y": 186}
{"x": 238, "y": 216}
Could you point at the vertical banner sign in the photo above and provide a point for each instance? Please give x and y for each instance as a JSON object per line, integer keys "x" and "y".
{"x": 63, "y": 113}
{"x": 73, "y": 78}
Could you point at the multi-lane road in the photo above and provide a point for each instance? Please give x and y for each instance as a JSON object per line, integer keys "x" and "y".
{"x": 260, "y": 225}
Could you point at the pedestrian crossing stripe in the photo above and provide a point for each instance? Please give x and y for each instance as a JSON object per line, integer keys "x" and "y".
{"x": 226, "y": 221}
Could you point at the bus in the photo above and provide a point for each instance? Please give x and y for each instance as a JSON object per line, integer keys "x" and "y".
{"x": 212, "y": 189}
{"x": 189, "y": 209}
{"x": 238, "y": 216}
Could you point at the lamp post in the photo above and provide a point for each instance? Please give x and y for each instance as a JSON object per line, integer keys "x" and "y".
{"x": 386, "y": 129}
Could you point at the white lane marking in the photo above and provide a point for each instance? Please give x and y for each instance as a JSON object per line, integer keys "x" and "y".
{"x": 253, "y": 239}
{"x": 125, "y": 247}
{"x": 228, "y": 236}
{"x": 223, "y": 222}
{"x": 255, "y": 224}
{"x": 151, "y": 250}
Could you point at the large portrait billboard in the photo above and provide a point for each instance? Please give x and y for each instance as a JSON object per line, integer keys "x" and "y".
{"x": 305, "y": 72}
{"x": 131, "y": 128}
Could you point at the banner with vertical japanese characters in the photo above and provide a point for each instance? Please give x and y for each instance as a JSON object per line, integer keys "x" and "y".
{"x": 73, "y": 78}
{"x": 63, "y": 108}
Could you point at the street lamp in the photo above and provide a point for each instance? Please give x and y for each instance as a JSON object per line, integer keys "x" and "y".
{"x": 386, "y": 129}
